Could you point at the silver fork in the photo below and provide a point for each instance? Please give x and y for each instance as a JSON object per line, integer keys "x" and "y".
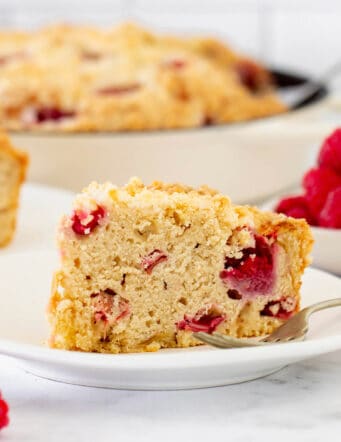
{"x": 294, "y": 329}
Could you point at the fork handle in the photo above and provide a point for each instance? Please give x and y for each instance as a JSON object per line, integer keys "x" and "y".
{"x": 322, "y": 305}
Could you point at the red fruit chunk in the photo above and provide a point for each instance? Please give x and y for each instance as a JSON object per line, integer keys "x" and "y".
{"x": 4, "y": 419}
{"x": 109, "y": 307}
{"x": 151, "y": 260}
{"x": 205, "y": 320}
{"x": 330, "y": 153}
{"x": 103, "y": 303}
{"x": 84, "y": 223}
{"x": 297, "y": 207}
{"x": 31, "y": 115}
{"x": 250, "y": 74}
{"x": 51, "y": 114}
{"x": 281, "y": 309}
{"x": 331, "y": 213}
{"x": 124, "y": 309}
{"x": 119, "y": 90}
{"x": 318, "y": 182}
{"x": 253, "y": 273}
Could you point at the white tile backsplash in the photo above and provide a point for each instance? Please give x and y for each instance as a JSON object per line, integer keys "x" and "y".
{"x": 301, "y": 34}
{"x": 306, "y": 41}
{"x": 239, "y": 29}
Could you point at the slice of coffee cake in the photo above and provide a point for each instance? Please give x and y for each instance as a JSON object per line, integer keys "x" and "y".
{"x": 142, "y": 267}
{"x": 13, "y": 165}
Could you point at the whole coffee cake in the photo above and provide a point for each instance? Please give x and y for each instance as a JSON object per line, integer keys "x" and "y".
{"x": 74, "y": 78}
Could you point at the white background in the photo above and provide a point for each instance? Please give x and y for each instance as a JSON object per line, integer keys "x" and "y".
{"x": 301, "y": 34}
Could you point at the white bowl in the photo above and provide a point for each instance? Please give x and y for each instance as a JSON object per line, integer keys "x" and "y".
{"x": 248, "y": 161}
{"x": 327, "y": 247}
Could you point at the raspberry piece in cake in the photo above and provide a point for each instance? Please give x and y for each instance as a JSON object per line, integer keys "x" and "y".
{"x": 282, "y": 309}
{"x": 318, "y": 183}
{"x": 252, "y": 273}
{"x": 108, "y": 308}
{"x": 330, "y": 153}
{"x": 4, "y": 419}
{"x": 52, "y": 114}
{"x": 42, "y": 115}
{"x": 171, "y": 260}
{"x": 13, "y": 165}
{"x": 206, "y": 320}
{"x": 252, "y": 75}
{"x": 330, "y": 215}
{"x": 151, "y": 260}
{"x": 296, "y": 207}
{"x": 84, "y": 223}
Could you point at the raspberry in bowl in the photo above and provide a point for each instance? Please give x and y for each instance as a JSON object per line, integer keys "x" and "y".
{"x": 319, "y": 202}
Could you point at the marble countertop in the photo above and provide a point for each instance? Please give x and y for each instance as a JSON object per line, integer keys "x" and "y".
{"x": 300, "y": 403}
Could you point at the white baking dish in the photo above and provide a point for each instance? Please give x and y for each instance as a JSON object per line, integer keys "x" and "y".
{"x": 248, "y": 161}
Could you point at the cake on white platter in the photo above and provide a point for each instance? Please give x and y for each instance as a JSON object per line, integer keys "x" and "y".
{"x": 142, "y": 267}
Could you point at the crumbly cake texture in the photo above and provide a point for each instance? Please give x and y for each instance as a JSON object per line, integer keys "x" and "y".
{"x": 142, "y": 267}
{"x": 73, "y": 78}
{"x": 13, "y": 164}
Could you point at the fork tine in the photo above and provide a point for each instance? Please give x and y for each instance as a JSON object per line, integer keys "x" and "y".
{"x": 238, "y": 342}
{"x": 211, "y": 340}
{"x": 221, "y": 341}
{"x": 273, "y": 339}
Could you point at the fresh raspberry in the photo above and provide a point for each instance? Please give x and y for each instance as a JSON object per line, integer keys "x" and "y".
{"x": 318, "y": 182}
{"x": 205, "y": 320}
{"x": 251, "y": 274}
{"x": 330, "y": 153}
{"x": 84, "y": 223}
{"x": 296, "y": 207}
{"x": 151, "y": 260}
{"x": 331, "y": 213}
{"x": 4, "y": 419}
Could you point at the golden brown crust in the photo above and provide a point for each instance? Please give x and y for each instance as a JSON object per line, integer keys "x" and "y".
{"x": 13, "y": 167}
{"x": 158, "y": 83}
{"x": 21, "y": 156}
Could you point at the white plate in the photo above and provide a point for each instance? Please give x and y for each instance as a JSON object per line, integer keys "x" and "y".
{"x": 39, "y": 212}
{"x": 23, "y": 330}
